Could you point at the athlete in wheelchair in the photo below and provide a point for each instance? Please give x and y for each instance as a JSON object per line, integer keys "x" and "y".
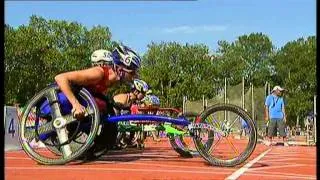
{"x": 78, "y": 121}
{"x": 121, "y": 104}
{"x": 138, "y": 135}
{"x": 127, "y": 102}
{"x": 108, "y": 69}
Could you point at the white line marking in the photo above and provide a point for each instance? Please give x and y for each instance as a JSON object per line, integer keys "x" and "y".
{"x": 86, "y": 169}
{"x": 240, "y": 171}
{"x": 272, "y": 167}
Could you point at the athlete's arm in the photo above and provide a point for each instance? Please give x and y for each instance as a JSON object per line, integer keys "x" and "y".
{"x": 85, "y": 77}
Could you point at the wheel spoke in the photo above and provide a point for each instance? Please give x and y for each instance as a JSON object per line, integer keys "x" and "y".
{"x": 59, "y": 122}
{"x": 216, "y": 144}
{"x": 53, "y": 101}
{"x": 232, "y": 146}
{"x": 213, "y": 120}
{"x": 237, "y": 118}
{"x": 44, "y": 129}
{"x": 62, "y": 135}
{"x": 69, "y": 119}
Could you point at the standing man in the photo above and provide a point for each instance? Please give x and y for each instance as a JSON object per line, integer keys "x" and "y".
{"x": 244, "y": 127}
{"x": 275, "y": 114}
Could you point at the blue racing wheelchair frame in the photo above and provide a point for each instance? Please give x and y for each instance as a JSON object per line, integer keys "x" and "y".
{"x": 69, "y": 138}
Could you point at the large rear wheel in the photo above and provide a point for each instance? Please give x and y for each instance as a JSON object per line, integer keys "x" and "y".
{"x": 226, "y": 121}
{"x": 65, "y": 137}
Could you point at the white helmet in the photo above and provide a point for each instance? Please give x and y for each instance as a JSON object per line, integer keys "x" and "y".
{"x": 151, "y": 100}
{"x": 101, "y": 56}
{"x": 123, "y": 55}
{"x": 140, "y": 86}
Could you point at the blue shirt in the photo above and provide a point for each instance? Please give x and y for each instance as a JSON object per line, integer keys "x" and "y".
{"x": 244, "y": 124}
{"x": 275, "y": 104}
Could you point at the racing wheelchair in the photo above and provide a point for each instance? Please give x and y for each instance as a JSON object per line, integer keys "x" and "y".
{"x": 68, "y": 139}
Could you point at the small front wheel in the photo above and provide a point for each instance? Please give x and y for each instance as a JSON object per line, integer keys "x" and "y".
{"x": 183, "y": 144}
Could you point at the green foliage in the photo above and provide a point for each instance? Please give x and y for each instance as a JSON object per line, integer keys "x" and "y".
{"x": 35, "y": 53}
{"x": 249, "y": 57}
{"x": 295, "y": 66}
{"x": 174, "y": 70}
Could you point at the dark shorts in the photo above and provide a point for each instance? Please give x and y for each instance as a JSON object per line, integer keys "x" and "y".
{"x": 275, "y": 124}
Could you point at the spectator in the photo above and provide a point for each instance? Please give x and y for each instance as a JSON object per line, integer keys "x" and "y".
{"x": 244, "y": 127}
{"x": 288, "y": 131}
{"x": 298, "y": 132}
{"x": 293, "y": 133}
{"x": 275, "y": 114}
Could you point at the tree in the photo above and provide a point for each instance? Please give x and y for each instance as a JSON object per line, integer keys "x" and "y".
{"x": 174, "y": 70}
{"x": 295, "y": 66}
{"x": 36, "y": 52}
{"x": 249, "y": 57}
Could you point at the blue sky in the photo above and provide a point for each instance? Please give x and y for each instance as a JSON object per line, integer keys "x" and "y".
{"x": 137, "y": 23}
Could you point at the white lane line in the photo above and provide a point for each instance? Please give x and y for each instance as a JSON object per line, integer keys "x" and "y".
{"x": 86, "y": 169}
{"x": 240, "y": 171}
{"x": 254, "y": 170}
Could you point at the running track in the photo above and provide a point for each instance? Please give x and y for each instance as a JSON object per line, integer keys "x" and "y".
{"x": 159, "y": 161}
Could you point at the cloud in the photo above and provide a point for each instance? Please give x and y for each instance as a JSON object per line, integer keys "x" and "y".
{"x": 194, "y": 29}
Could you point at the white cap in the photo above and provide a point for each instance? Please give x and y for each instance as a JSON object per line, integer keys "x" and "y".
{"x": 277, "y": 88}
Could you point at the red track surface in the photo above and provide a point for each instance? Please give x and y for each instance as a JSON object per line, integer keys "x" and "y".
{"x": 159, "y": 161}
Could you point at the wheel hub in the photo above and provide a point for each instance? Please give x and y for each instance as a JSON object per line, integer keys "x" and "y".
{"x": 59, "y": 123}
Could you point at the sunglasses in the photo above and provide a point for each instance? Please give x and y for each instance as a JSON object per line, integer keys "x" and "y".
{"x": 131, "y": 72}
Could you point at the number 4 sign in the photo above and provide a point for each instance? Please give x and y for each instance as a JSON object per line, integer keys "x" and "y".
{"x": 11, "y": 122}
{"x": 11, "y": 128}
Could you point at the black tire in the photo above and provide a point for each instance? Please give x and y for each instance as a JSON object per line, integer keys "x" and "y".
{"x": 180, "y": 146}
{"x": 247, "y": 151}
{"x": 94, "y": 121}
